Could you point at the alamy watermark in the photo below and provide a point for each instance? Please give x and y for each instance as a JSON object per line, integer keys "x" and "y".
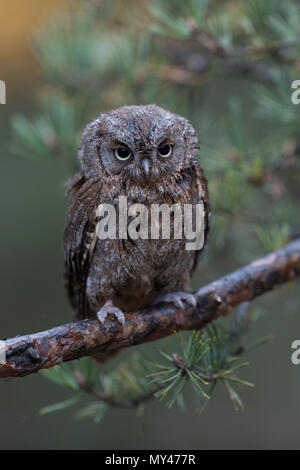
{"x": 153, "y": 221}
{"x": 295, "y": 97}
{"x": 295, "y": 358}
{"x": 2, "y": 92}
{"x": 2, "y": 352}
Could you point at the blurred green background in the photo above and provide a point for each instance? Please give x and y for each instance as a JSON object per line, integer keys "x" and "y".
{"x": 249, "y": 218}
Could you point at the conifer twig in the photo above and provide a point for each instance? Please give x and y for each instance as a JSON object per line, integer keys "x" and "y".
{"x": 116, "y": 402}
{"x": 30, "y": 353}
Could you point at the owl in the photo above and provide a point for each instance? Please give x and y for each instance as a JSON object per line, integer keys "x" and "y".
{"x": 150, "y": 156}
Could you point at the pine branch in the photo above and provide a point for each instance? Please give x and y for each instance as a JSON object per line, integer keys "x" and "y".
{"x": 239, "y": 60}
{"x": 117, "y": 402}
{"x": 30, "y": 353}
{"x": 275, "y": 49}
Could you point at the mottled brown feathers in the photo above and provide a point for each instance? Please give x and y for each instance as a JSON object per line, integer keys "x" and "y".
{"x": 131, "y": 272}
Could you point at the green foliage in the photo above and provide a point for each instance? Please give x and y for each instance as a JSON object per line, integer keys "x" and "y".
{"x": 63, "y": 376}
{"x": 94, "y": 410}
{"x": 286, "y": 27}
{"x": 275, "y": 107}
{"x": 202, "y": 359}
{"x": 61, "y": 406}
{"x": 52, "y": 133}
{"x": 274, "y": 237}
{"x": 206, "y": 358}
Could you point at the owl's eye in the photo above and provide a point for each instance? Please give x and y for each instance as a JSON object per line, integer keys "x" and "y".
{"x": 165, "y": 150}
{"x": 122, "y": 153}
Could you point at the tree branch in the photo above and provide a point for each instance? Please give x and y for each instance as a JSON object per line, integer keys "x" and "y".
{"x": 116, "y": 402}
{"x": 30, "y": 353}
{"x": 210, "y": 55}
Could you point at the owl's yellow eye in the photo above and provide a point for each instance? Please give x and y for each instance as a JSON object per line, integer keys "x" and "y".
{"x": 165, "y": 150}
{"x": 122, "y": 153}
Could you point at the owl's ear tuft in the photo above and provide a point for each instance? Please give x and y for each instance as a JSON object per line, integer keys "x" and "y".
{"x": 190, "y": 137}
{"x": 88, "y": 152}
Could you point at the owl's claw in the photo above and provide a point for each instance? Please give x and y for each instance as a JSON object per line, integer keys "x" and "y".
{"x": 109, "y": 309}
{"x": 177, "y": 299}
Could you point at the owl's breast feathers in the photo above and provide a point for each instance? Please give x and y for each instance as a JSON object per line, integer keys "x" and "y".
{"x": 95, "y": 269}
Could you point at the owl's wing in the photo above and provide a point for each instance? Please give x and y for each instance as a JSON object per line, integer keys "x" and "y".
{"x": 202, "y": 196}
{"x": 79, "y": 241}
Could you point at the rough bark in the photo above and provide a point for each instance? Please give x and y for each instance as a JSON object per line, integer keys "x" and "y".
{"x": 30, "y": 353}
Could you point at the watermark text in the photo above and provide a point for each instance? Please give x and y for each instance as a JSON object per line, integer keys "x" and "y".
{"x": 2, "y": 92}
{"x": 155, "y": 221}
{"x": 2, "y": 352}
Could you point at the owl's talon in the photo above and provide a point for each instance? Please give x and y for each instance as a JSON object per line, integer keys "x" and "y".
{"x": 110, "y": 310}
{"x": 178, "y": 299}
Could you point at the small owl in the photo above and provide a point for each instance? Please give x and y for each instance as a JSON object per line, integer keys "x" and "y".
{"x": 148, "y": 155}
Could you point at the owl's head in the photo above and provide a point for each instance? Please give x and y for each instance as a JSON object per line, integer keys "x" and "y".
{"x": 139, "y": 143}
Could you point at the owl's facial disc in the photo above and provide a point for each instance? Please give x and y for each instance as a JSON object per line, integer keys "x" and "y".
{"x": 141, "y": 162}
{"x": 144, "y": 149}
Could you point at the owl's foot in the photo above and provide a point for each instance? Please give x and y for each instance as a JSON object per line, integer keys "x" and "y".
{"x": 109, "y": 309}
{"x": 177, "y": 299}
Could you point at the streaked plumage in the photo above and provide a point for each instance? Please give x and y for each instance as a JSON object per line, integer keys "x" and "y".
{"x": 133, "y": 273}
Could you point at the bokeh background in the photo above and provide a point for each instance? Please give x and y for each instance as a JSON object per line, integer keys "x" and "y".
{"x": 33, "y": 210}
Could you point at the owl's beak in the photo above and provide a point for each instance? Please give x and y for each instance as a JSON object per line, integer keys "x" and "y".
{"x": 146, "y": 165}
